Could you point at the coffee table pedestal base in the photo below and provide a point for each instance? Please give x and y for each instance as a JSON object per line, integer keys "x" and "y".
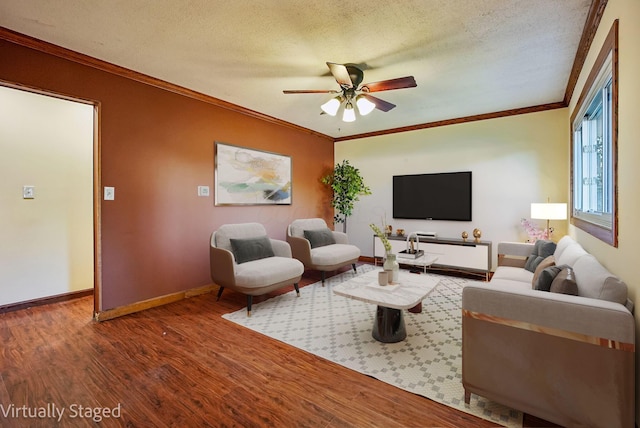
{"x": 388, "y": 327}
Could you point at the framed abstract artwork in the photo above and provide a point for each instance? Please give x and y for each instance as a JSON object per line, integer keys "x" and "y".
{"x": 251, "y": 177}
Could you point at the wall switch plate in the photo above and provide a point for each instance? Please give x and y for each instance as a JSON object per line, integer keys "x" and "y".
{"x": 28, "y": 192}
{"x": 109, "y": 193}
{"x": 203, "y": 190}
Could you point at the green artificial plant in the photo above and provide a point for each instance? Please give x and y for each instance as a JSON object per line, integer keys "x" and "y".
{"x": 347, "y": 185}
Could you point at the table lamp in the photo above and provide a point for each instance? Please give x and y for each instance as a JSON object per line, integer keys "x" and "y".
{"x": 549, "y": 211}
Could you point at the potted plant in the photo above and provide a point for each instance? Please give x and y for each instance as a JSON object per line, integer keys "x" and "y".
{"x": 347, "y": 185}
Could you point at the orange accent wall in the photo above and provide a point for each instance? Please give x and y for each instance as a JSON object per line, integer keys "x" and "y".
{"x": 156, "y": 148}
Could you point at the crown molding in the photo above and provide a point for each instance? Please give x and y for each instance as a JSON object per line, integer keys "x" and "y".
{"x": 77, "y": 57}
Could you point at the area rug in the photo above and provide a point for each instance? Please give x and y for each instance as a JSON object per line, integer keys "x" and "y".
{"x": 428, "y": 362}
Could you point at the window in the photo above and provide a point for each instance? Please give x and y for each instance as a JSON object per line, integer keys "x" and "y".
{"x": 594, "y": 147}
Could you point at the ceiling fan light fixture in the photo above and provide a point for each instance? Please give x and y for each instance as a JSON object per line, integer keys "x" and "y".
{"x": 364, "y": 105}
{"x": 331, "y": 107}
{"x": 349, "y": 114}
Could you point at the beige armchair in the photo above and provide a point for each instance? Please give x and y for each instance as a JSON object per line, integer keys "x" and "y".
{"x": 320, "y": 248}
{"x": 244, "y": 259}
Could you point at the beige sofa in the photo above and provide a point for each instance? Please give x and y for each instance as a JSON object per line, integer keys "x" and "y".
{"x": 568, "y": 359}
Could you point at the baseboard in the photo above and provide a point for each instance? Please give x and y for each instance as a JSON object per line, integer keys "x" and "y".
{"x": 367, "y": 259}
{"x": 45, "y": 300}
{"x": 152, "y": 303}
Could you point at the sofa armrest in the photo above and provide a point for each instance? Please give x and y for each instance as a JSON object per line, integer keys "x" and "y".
{"x": 566, "y": 359}
{"x": 514, "y": 253}
{"x": 222, "y": 265}
{"x": 300, "y": 249}
{"x": 340, "y": 237}
{"x": 572, "y": 317}
{"x": 281, "y": 248}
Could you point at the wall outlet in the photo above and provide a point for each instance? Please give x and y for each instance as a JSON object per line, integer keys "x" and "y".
{"x": 203, "y": 190}
{"x": 109, "y": 193}
{"x": 28, "y": 192}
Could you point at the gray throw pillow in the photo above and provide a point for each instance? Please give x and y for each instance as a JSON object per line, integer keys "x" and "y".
{"x": 547, "y": 276}
{"x": 249, "y": 249}
{"x": 549, "y": 261}
{"x": 319, "y": 237}
{"x": 565, "y": 282}
{"x": 541, "y": 250}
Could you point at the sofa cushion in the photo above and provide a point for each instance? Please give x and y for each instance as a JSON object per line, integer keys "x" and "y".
{"x": 547, "y": 276}
{"x": 249, "y": 249}
{"x": 541, "y": 250}
{"x": 597, "y": 282}
{"x": 511, "y": 284}
{"x": 511, "y": 273}
{"x": 547, "y": 262}
{"x": 563, "y": 243}
{"x": 565, "y": 282}
{"x": 570, "y": 254}
{"x": 319, "y": 237}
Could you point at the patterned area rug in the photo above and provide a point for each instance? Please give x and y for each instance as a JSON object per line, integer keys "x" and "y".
{"x": 428, "y": 362}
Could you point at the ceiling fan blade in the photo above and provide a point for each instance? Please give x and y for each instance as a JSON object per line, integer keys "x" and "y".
{"x": 341, "y": 74}
{"x": 387, "y": 85}
{"x": 380, "y": 104}
{"x": 310, "y": 91}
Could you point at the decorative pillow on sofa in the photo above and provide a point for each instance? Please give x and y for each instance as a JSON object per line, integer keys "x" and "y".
{"x": 249, "y": 249}
{"x": 547, "y": 276}
{"x": 319, "y": 237}
{"x": 547, "y": 262}
{"x": 541, "y": 250}
{"x": 565, "y": 282}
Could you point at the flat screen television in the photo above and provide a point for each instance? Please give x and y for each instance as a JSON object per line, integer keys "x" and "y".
{"x": 441, "y": 196}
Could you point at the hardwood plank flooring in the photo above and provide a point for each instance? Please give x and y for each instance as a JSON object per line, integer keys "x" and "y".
{"x": 183, "y": 365}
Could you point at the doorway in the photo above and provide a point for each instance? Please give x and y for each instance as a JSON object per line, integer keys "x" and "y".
{"x": 48, "y": 166}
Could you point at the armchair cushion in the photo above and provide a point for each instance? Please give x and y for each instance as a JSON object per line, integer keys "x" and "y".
{"x": 334, "y": 254}
{"x": 298, "y": 226}
{"x": 249, "y": 249}
{"x": 319, "y": 237}
{"x": 253, "y": 278}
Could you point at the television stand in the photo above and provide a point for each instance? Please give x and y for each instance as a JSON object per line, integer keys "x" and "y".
{"x": 452, "y": 254}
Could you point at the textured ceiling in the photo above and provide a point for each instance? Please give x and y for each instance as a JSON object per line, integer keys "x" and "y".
{"x": 468, "y": 57}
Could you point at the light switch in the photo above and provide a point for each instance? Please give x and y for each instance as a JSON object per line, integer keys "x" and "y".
{"x": 203, "y": 190}
{"x": 28, "y": 192}
{"x": 109, "y": 193}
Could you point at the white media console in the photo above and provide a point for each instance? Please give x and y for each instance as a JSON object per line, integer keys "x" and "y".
{"x": 457, "y": 254}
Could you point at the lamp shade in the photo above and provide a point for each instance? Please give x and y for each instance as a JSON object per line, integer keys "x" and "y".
{"x": 349, "y": 114}
{"x": 331, "y": 107}
{"x": 549, "y": 211}
{"x": 364, "y": 105}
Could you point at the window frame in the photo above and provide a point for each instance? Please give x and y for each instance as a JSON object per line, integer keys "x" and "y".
{"x": 609, "y": 50}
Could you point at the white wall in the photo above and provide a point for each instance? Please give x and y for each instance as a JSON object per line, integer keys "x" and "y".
{"x": 46, "y": 244}
{"x": 515, "y": 161}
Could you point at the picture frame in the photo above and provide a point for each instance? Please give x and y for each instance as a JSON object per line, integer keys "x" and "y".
{"x": 245, "y": 176}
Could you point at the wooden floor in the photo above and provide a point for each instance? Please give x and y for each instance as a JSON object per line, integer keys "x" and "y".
{"x": 183, "y": 365}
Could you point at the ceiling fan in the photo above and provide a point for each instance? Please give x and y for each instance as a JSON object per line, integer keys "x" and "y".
{"x": 349, "y": 77}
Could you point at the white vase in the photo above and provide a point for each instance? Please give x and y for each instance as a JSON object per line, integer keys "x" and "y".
{"x": 391, "y": 264}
